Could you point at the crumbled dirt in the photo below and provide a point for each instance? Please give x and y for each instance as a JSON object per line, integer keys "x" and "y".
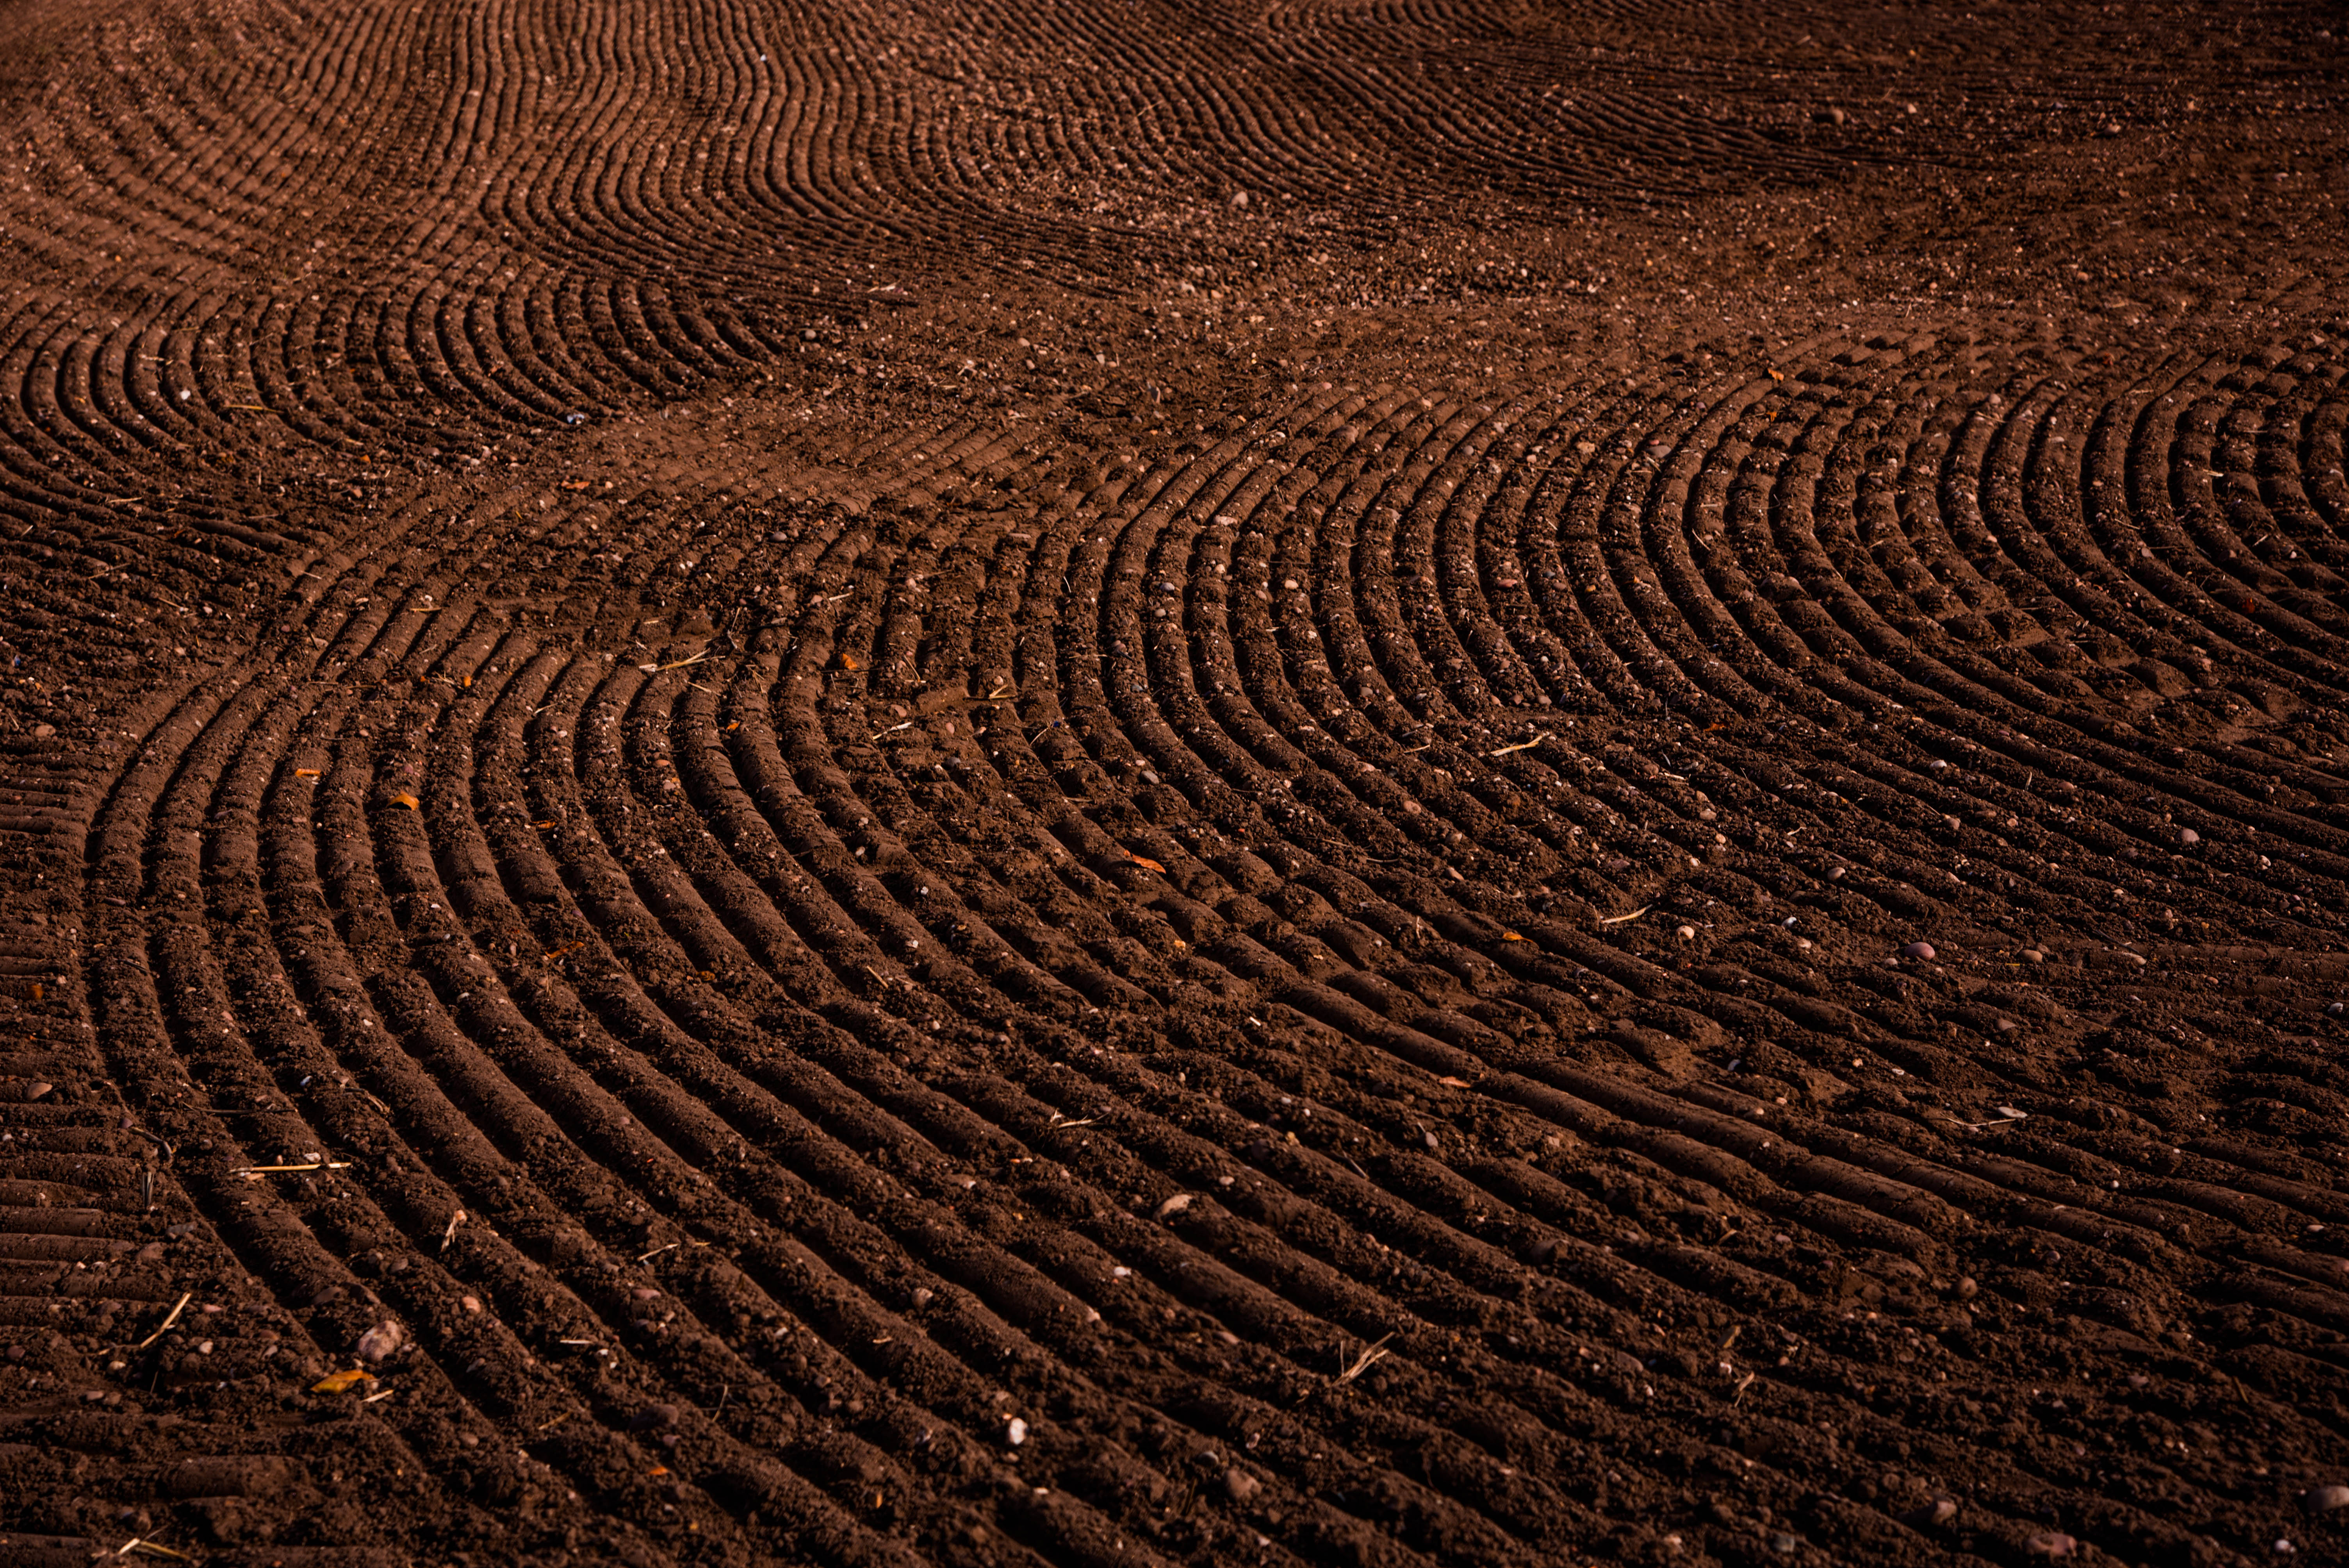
{"x": 1008, "y": 785}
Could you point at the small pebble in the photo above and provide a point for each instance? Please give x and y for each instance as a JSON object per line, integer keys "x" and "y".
{"x": 1015, "y": 1431}
{"x": 1688, "y": 934}
{"x": 2325, "y": 1499}
{"x": 2033, "y": 955}
{"x": 1918, "y": 950}
{"x": 2050, "y": 1544}
{"x": 2188, "y": 836}
{"x": 382, "y": 1341}
{"x": 1241, "y": 1485}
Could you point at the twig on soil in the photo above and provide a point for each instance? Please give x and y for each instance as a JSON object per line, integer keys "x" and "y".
{"x": 141, "y": 1545}
{"x": 550, "y": 1425}
{"x": 1978, "y": 1126}
{"x": 129, "y": 1125}
{"x": 449, "y": 1234}
{"x": 255, "y": 1172}
{"x": 1620, "y": 919}
{"x": 891, "y": 730}
{"x": 670, "y": 1248}
{"x": 1520, "y": 746}
{"x": 180, "y": 1307}
{"x": 1365, "y": 1361}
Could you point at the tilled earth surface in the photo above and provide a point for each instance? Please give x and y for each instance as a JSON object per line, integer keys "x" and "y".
{"x": 1040, "y": 783}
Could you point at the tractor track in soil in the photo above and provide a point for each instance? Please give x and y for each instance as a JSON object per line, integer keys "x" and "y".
{"x": 1048, "y": 785}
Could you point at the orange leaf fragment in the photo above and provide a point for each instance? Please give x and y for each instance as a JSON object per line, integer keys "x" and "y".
{"x": 1145, "y": 862}
{"x": 305, "y": 773}
{"x": 657, "y": 1470}
{"x": 404, "y": 798}
{"x": 1455, "y": 1083}
{"x": 1511, "y": 936}
{"x": 848, "y": 661}
{"x": 341, "y": 1382}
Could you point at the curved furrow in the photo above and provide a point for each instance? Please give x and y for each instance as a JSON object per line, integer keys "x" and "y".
{"x": 1374, "y": 783}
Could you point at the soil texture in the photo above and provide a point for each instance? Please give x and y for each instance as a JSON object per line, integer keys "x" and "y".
{"x": 1417, "y": 785}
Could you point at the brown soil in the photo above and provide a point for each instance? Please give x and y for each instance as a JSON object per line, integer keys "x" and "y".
{"x": 1029, "y": 784}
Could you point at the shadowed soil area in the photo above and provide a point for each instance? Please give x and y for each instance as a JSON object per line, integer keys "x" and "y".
{"x": 1414, "y": 785}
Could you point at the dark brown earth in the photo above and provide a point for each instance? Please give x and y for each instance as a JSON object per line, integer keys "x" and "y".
{"x": 1089, "y": 785}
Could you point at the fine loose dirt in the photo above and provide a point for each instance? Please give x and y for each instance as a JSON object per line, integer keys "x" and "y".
{"x": 1040, "y": 783}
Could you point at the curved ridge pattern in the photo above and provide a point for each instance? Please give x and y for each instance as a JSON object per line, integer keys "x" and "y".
{"x": 806, "y": 769}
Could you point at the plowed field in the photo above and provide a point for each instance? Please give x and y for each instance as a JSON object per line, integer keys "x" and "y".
{"x": 1048, "y": 783}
